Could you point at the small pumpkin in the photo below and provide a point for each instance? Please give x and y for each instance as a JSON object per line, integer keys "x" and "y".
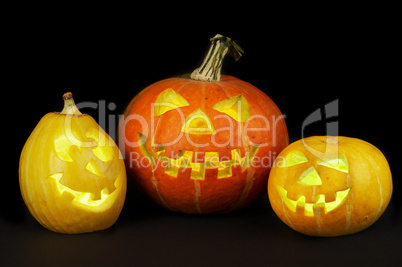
{"x": 72, "y": 176}
{"x": 330, "y": 186}
{"x": 205, "y": 142}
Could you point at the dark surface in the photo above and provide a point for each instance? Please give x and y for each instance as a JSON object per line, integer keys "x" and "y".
{"x": 147, "y": 235}
{"x": 302, "y": 62}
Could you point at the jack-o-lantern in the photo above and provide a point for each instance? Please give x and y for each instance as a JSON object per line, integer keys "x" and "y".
{"x": 330, "y": 186}
{"x": 202, "y": 143}
{"x": 72, "y": 175}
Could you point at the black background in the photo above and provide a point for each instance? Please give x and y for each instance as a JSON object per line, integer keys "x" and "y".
{"x": 302, "y": 58}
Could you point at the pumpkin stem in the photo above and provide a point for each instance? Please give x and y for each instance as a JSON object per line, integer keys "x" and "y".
{"x": 69, "y": 105}
{"x": 210, "y": 69}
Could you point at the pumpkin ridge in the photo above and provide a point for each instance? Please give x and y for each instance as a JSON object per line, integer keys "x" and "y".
{"x": 256, "y": 91}
{"x": 184, "y": 85}
{"x": 31, "y": 145}
{"x": 223, "y": 89}
{"x": 47, "y": 204}
{"x": 224, "y": 186}
{"x": 352, "y": 146}
{"x": 364, "y": 152}
{"x": 283, "y": 203}
{"x": 197, "y": 195}
{"x": 160, "y": 119}
{"x": 54, "y": 211}
{"x": 203, "y": 96}
{"x": 250, "y": 174}
{"x": 368, "y": 187}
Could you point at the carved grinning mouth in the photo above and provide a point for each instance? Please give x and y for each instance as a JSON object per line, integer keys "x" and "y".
{"x": 86, "y": 199}
{"x": 309, "y": 208}
{"x": 101, "y": 148}
{"x": 211, "y": 161}
{"x": 311, "y": 177}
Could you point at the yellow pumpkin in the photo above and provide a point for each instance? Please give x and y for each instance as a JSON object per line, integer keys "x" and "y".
{"x": 72, "y": 176}
{"x": 330, "y": 186}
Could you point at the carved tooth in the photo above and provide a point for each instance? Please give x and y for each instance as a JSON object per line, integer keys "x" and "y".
{"x": 246, "y": 161}
{"x": 224, "y": 169}
{"x": 184, "y": 160}
{"x": 340, "y": 197}
{"x": 172, "y": 167}
{"x": 311, "y": 208}
{"x": 236, "y": 156}
{"x": 291, "y": 204}
{"x": 104, "y": 192}
{"x": 320, "y": 199}
{"x": 198, "y": 171}
{"x": 211, "y": 160}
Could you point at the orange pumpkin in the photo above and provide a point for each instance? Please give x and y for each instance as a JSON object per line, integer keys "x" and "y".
{"x": 330, "y": 186}
{"x": 72, "y": 176}
{"x": 202, "y": 143}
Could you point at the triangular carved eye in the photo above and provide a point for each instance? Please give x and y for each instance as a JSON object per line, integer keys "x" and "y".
{"x": 168, "y": 100}
{"x": 236, "y": 107}
{"x": 294, "y": 157}
{"x": 334, "y": 162}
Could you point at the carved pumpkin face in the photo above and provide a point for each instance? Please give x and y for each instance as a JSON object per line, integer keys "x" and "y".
{"x": 190, "y": 144}
{"x": 315, "y": 180}
{"x": 317, "y": 185}
{"x": 72, "y": 176}
{"x": 198, "y": 131}
{"x": 95, "y": 162}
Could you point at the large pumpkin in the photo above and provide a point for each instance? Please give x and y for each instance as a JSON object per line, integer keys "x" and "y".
{"x": 72, "y": 176}
{"x": 202, "y": 143}
{"x": 330, "y": 186}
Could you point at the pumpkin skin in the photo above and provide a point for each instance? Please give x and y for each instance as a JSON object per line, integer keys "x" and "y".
{"x": 186, "y": 143}
{"x": 72, "y": 176}
{"x": 185, "y": 191}
{"x": 330, "y": 186}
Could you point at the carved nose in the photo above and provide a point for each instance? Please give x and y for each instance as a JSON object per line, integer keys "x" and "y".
{"x": 198, "y": 123}
{"x": 310, "y": 177}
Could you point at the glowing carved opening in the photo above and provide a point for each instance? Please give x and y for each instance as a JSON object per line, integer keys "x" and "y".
{"x": 103, "y": 150}
{"x": 309, "y": 207}
{"x": 85, "y": 199}
{"x": 211, "y": 161}
{"x": 294, "y": 157}
{"x": 310, "y": 177}
{"x": 236, "y": 107}
{"x": 198, "y": 123}
{"x": 93, "y": 168}
{"x": 334, "y": 162}
{"x": 168, "y": 100}
{"x": 62, "y": 147}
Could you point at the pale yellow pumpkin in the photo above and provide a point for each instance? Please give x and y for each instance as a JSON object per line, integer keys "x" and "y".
{"x": 72, "y": 176}
{"x": 330, "y": 186}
